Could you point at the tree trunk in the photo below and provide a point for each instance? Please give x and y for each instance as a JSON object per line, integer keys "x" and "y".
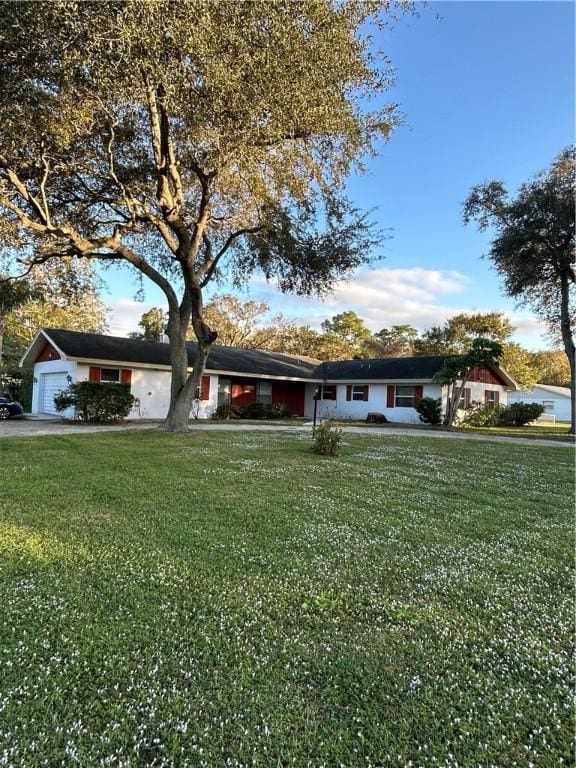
{"x": 183, "y": 386}
{"x": 568, "y": 340}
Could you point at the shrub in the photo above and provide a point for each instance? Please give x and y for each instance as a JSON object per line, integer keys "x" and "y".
{"x": 267, "y": 411}
{"x": 478, "y": 415}
{"x": 514, "y": 415}
{"x": 96, "y": 402}
{"x": 519, "y": 414}
{"x": 429, "y": 410}
{"x": 328, "y": 439}
{"x": 225, "y": 412}
{"x": 253, "y": 411}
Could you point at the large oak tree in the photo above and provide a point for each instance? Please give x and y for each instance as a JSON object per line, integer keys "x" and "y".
{"x": 188, "y": 140}
{"x": 533, "y": 245}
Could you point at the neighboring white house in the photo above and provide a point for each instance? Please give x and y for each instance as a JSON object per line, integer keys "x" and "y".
{"x": 556, "y": 400}
{"x": 347, "y": 389}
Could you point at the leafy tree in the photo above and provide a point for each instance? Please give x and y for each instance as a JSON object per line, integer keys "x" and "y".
{"x": 397, "y": 341}
{"x": 13, "y": 295}
{"x": 348, "y": 328}
{"x": 553, "y": 366}
{"x": 153, "y": 324}
{"x": 238, "y": 323}
{"x": 533, "y": 245}
{"x": 455, "y": 337}
{"x": 181, "y": 139}
{"x": 521, "y": 364}
{"x": 61, "y": 295}
{"x": 456, "y": 371}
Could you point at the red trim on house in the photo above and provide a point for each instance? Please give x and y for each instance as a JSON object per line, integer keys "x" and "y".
{"x": 126, "y": 376}
{"x": 205, "y": 388}
{"x": 418, "y": 393}
{"x": 486, "y": 376}
{"x": 48, "y": 353}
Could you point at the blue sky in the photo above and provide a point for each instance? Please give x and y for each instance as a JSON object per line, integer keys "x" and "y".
{"x": 487, "y": 91}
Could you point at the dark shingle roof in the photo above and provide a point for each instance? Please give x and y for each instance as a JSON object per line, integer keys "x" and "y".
{"x": 92, "y": 346}
{"x": 390, "y": 368}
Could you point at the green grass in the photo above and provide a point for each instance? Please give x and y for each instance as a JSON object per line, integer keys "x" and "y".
{"x": 223, "y": 599}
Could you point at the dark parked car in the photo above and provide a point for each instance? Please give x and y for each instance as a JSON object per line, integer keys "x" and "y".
{"x": 9, "y": 408}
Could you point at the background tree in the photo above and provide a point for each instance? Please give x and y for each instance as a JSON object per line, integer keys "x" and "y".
{"x": 181, "y": 138}
{"x": 58, "y": 295}
{"x": 455, "y": 337}
{"x": 521, "y": 364}
{"x": 350, "y": 331}
{"x": 533, "y": 245}
{"x": 153, "y": 324}
{"x": 397, "y": 341}
{"x": 553, "y": 366}
{"x": 13, "y": 294}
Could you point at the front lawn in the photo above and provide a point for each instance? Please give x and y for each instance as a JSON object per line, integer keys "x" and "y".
{"x": 233, "y": 599}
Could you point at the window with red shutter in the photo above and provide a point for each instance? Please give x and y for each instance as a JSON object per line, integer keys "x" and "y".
{"x": 94, "y": 373}
{"x": 348, "y": 391}
{"x": 205, "y": 388}
{"x": 126, "y": 376}
{"x": 390, "y": 396}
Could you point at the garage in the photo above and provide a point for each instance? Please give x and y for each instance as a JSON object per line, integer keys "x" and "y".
{"x": 52, "y": 384}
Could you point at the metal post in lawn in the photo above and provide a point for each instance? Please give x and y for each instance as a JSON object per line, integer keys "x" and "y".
{"x": 316, "y": 396}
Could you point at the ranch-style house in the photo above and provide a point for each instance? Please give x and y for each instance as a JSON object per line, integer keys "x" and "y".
{"x": 347, "y": 389}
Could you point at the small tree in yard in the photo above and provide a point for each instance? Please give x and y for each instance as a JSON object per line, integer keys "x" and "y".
{"x": 456, "y": 371}
{"x": 188, "y": 140}
{"x": 533, "y": 246}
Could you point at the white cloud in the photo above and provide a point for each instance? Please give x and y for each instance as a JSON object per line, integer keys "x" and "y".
{"x": 381, "y": 297}
{"x": 125, "y": 315}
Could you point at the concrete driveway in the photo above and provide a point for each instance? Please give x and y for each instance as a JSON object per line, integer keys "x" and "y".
{"x": 44, "y": 426}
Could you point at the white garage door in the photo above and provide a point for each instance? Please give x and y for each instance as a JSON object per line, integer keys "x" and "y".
{"x": 52, "y": 384}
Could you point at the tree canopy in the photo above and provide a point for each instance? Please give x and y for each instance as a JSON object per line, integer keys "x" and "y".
{"x": 188, "y": 140}
{"x": 533, "y": 245}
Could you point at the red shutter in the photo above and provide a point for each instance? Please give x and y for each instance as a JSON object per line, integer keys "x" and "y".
{"x": 205, "y": 388}
{"x": 365, "y": 394}
{"x": 418, "y": 392}
{"x": 496, "y": 397}
{"x": 467, "y": 397}
{"x": 126, "y": 376}
{"x": 390, "y": 396}
{"x": 94, "y": 374}
{"x": 348, "y": 391}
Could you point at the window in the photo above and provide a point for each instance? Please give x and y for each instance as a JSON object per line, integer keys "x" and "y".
{"x": 110, "y": 375}
{"x": 491, "y": 398}
{"x": 329, "y": 392}
{"x": 548, "y": 406}
{"x": 405, "y": 397}
{"x": 464, "y": 401}
{"x": 356, "y": 392}
{"x": 264, "y": 392}
{"x": 224, "y": 391}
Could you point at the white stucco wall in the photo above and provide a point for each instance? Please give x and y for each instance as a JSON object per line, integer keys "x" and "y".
{"x": 151, "y": 388}
{"x": 377, "y": 399}
{"x": 359, "y": 409}
{"x": 539, "y": 395}
{"x": 65, "y": 367}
